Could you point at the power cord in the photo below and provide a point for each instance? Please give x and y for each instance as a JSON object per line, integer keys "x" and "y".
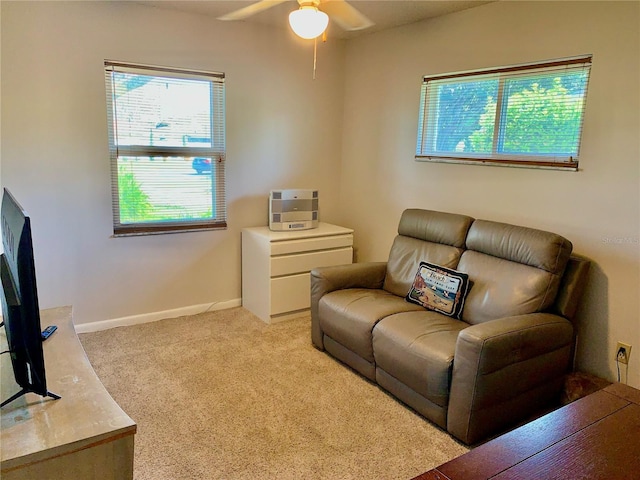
{"x": 625, "y": 373}
{"x": 209, "y": 307}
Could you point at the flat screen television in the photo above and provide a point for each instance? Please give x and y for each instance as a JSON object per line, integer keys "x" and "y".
{"x": 20, "y": 310}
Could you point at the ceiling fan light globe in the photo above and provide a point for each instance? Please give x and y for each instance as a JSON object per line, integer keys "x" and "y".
{"x": 308, "y": 22}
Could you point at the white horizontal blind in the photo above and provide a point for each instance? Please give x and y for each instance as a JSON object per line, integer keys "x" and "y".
{"x": 167, "y": 148}
{"x": 525, "y": 115}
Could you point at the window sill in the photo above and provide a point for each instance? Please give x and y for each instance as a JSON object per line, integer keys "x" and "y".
{"x": 565, "y": 166}
{"x": 135, "y": 231}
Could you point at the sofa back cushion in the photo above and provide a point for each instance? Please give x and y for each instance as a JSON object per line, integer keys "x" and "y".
{"x": 424, "y": 236}
{"x": 571, "y": 288}
{"x": 514, "y": 270}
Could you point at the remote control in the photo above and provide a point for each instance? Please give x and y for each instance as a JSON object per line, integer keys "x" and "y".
{"x": 46, "y": 333}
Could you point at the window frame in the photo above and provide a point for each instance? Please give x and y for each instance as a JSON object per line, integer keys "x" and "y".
{"x": 429, "y": 105}
{"x": 217, "y": 150}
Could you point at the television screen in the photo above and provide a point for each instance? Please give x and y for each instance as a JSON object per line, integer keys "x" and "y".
{"x": 20, "y": 310}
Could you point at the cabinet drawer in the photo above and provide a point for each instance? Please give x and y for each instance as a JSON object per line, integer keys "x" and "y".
{"x": 304, "y": 262}
{"x": 290, "y": 293}
{"x": 310, "y": 244}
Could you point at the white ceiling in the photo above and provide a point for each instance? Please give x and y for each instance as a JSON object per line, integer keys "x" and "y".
{"x": 384, "y": 13}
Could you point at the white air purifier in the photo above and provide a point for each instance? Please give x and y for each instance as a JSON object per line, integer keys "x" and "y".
{"x": 293, "y": 209}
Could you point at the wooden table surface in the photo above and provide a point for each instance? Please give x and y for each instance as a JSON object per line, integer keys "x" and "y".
{"x": 596, "y": 437}
{"x": 43, "y": 438}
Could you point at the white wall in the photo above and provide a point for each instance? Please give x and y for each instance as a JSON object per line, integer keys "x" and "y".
{"x": 286, "y": 130}
{"x": 598, "y": 208}
{"x": 283, "y": 131}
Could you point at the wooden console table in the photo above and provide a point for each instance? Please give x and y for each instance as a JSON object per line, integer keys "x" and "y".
{"x": 595, "y": 437}
{"x": 83, "y": 435}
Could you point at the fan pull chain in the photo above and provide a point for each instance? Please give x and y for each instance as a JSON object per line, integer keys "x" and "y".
{"x": 315, "y": 54}
{"x": 315, "y": 51}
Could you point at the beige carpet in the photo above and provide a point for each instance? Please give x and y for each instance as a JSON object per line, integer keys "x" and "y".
{"x": 222, "y": 395}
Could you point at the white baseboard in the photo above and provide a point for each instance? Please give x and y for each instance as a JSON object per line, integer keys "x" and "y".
{"x": 154, "y": 316}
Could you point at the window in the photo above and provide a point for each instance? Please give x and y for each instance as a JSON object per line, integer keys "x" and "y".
{"x": 526, "y": 115}
{"x": 167, "y": 148}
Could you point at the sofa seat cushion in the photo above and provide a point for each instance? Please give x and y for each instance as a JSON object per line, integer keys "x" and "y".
{"x": 417, "y": 348}
{"x": 348, "y": 316}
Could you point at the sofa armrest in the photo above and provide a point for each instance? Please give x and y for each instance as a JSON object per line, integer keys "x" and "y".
{"x": 506, "y": 370}
{"x": 328, "y": 279}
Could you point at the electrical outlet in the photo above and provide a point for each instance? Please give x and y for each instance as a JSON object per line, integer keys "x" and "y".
{"x": 623, "y": 352}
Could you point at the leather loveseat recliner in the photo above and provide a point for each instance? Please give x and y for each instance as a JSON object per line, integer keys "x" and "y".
{"x": 501, "y": 363}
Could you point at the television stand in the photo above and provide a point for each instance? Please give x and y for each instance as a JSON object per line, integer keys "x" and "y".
{"x": 25, "y": 391}
{"x": 84, "y": 435}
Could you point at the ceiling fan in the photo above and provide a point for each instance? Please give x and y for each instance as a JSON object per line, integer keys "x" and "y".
{"x": 312, "y": 17}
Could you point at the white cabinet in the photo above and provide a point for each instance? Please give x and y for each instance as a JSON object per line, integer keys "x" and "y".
{"x": 276, "y": 266}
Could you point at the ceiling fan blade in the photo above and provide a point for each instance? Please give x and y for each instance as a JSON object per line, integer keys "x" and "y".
{"x": 252, "y": 9}
{"x": 348, "y": 17}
